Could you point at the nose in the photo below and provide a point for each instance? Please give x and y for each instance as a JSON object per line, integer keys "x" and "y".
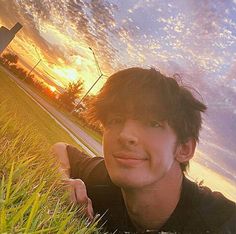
{"x": 128, "y": 134}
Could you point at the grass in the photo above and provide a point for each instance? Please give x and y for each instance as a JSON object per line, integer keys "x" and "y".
{"x": 95, "y": 135}
{"x": 32, "y": 198}
{"x": 30, "y": 113}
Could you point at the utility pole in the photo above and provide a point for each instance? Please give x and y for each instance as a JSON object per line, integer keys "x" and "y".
{"x": 32, "y": 69}
{"x": 34, "y": 66}
{"x": 36, "y": 63}
{"x": 89, "y": 89}
{"x": 100, "y": 76}
{"x": 96, "y": 61}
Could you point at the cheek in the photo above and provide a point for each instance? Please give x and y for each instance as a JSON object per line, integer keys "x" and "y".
{"x": 108, "y": 141}
{"x": 105, "y": 137}
{"x": 160, "y": 151}
{"x": 105, "y": 143}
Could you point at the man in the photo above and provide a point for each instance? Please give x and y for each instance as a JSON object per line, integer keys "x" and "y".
{"x": 151, "y": 126}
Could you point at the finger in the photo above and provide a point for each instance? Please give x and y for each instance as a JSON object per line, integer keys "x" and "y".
{"x": 78, "y": 195}
{"x": 90, "y": 212}
{"x": 77, "y": 190}
{"x": 72, "y": 193}
{"x": 69, "y": 185}
{"x": 80, "y": 192}
{"x": 83, "y": 199}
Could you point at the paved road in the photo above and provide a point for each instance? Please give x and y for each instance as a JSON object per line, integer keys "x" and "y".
{"x": 73, "y": 129}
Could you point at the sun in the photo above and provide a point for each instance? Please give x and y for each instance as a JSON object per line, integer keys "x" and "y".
{"x": 52, "y": 88}
{"x": 78, "y": 61}
{"x": 69, "y": 74}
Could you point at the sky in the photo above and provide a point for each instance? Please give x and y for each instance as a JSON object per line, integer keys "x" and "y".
{"x": 192, "y": 38}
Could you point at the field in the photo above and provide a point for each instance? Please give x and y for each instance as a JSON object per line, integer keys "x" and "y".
{"x": 32, "y": 198}
{"x": 96, "y": 136}
{"x": 29, "y": 113}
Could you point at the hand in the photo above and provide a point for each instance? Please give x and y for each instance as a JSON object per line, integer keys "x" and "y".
{"x": 78, "y": 195}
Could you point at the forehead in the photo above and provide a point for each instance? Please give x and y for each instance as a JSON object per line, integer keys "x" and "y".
{"x": 134, "y": 96}
{"x": 136, "y": 110}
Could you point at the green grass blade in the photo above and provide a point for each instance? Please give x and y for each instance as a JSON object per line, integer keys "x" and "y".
{"x": 2, "y": 198}
{"x": 64, "y": 224}
{"x": 3, "y": 223}
{"x": 9, "y": 183}
{"x": 22, "y": 211}
{"x": 33, "y": 212}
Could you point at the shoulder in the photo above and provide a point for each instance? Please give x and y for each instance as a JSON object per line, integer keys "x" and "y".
{"x": 84, "y": 166}
{"x": 215, "y": 212}
{"x": 216, "y": 209}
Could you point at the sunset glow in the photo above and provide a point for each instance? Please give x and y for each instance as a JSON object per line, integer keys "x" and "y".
{"x": 212, "y": 180}
{"x": 52, "y": 88}
{"x": 69, "y": 74}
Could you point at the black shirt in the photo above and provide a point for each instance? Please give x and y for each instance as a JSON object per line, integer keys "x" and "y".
{"x": 199, "y": 210}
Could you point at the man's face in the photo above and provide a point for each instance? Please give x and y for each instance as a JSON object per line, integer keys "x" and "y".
{"x": 138, "y": 153}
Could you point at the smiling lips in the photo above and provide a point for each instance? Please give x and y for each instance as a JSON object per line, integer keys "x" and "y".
{"x": 128, "y": 159}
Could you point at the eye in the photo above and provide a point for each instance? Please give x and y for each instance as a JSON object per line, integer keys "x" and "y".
{"x": 154, "y": 124}
{"x": 114, "y": 120}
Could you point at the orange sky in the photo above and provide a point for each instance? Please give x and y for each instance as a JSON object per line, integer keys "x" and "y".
{"x": 81, "y": 65}
{"x": 213, "y": 180}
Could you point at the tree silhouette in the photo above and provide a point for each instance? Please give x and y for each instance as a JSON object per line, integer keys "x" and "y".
{"x": 10, "y": 58}
{"x": 72, "y": 92}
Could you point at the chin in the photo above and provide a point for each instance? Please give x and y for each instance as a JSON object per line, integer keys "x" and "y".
{"x": 127, "y": 181}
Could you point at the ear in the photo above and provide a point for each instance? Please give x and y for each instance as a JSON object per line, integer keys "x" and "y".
{"x": 185, "y": 151}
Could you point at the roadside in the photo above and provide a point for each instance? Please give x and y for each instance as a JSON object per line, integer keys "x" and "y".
{"x": 74, "y": 130}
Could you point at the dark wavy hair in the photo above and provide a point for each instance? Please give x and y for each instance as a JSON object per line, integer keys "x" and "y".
{"x": 146, "y": 92}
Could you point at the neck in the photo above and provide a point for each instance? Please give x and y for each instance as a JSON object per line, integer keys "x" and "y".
{"x": 151, "y": 206}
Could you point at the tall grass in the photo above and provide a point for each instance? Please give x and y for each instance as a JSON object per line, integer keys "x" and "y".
{"x": 27, "y": 111}
{"x": 32, "y": 198}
